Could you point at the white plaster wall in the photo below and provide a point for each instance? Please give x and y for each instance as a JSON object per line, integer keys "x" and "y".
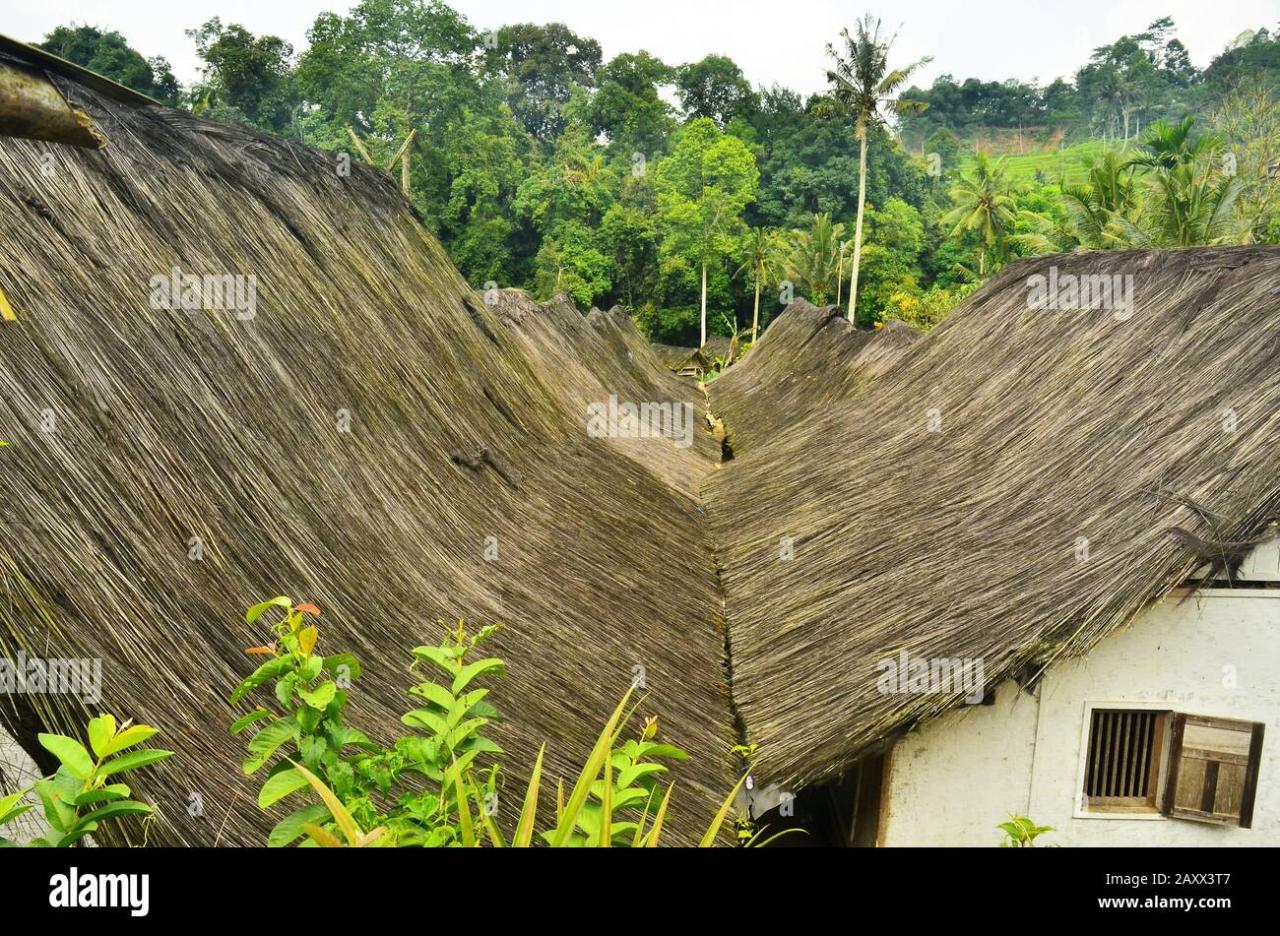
{"x": 956, "y": 779}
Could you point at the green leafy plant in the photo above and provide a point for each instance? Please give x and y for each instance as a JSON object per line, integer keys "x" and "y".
{"x": 78, "y": 798}
{"x": 408, "y": 792}
{"x": 432, "y": 789}
{"x": 1021, "y": 832}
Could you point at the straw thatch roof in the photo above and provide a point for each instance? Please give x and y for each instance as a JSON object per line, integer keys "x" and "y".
{"x": 937, "y": 490}
{"x": 946, "y": 511}
{"x": 143, "y": 440}
{"x": 808, "y": 359}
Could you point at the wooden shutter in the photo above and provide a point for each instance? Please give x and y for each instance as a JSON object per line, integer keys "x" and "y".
{"x": 1213, "y": 770}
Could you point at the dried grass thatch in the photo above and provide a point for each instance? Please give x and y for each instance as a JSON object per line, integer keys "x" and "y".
{"x": 941, "y": 514}
{"x": 1053, "y": 427}
{"x": 172, "y": 426}
{"x": 809, "y": 359}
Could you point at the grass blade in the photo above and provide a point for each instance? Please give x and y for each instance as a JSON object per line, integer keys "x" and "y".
{"x": 709, "y": 839}
{"x": 578, "y": 798}
{"x": 656, "y": 832}
{"x": 339, "y": 812}
{"x": 528, "y": 812}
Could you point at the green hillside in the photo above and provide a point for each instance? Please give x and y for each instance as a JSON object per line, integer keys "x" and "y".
{"x": 1069, "y": 163}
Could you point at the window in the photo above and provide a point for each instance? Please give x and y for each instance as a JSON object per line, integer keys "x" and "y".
{"x": 1122, "y": 773}
{"x": 1148, "y": 763}
{"x": 1213, "y": 773}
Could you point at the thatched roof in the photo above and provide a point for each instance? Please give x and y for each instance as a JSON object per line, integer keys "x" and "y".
{"x": 586, "y": 359}
{"x": 808, "y": 359}
{"x": 176, "y": 425}
{"x": 965, "y": 542}
{"x": 137, "y": 430}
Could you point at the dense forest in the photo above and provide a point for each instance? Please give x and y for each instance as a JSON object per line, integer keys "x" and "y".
{"x": 654, "y": 185}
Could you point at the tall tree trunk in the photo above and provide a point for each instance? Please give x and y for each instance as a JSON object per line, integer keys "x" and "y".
{"x": 857, "y": 233}
{"x": 840, "y": 277}
{"x": 704, "y": 305}
{"x": 755, "y": 318}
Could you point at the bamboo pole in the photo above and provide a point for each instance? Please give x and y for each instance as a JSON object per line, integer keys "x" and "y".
{"x": 408, "y": 141}
{"x": 364, "y": 153}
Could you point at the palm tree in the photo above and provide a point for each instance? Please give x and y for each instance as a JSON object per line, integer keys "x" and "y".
{"x": 813, "y": 258}
{"x": 984, "y": 205}
{"x": 762, "y": 264}
{"x": 1191, "y": 201}
{"x": 863, "y": 84}
{"x": 1099, "y": 214}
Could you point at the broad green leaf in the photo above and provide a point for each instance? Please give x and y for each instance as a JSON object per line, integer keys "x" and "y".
{"x": 8, "y": 803}
{"x": 132, "y": 761}
{"x": 61, "y": 815}
{"x": 111, "y": 810}
{"x": 259, "y": 610}
{"x": 460, "y": 733}
{"x": 280, "y": 785}
{"x": 101, "y": 730}
{"x": 425, "y": 718}
{"x": 479, "y": 744}
{"x": 131, "y": 737}
{"x": 440, "y": 656}
{"x": 342, "y": 664}
{"x": 307, "y": 640}
{"x": 343, "y": 736}
{"x": 627, "y": 776}
{"x": 435, "y": 694}
{"x": 319, "y": 699}
{"x": 256, "y": 715}
{"x": 107, "y": 794}
{"x": 290, "y": 829}
{"x": 70, "y": 753}
{"x": 266, "y": 742}
{"x": 262, "y": 675}
{"x": 472, "y": 671}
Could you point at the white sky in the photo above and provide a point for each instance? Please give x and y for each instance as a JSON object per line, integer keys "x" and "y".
{"x": 772, "y": 40}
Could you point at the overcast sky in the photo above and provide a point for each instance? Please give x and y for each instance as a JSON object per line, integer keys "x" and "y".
{"x": 772, "y": 40}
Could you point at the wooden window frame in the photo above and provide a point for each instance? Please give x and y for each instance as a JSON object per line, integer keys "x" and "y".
{"x": 1139, "y": 808}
